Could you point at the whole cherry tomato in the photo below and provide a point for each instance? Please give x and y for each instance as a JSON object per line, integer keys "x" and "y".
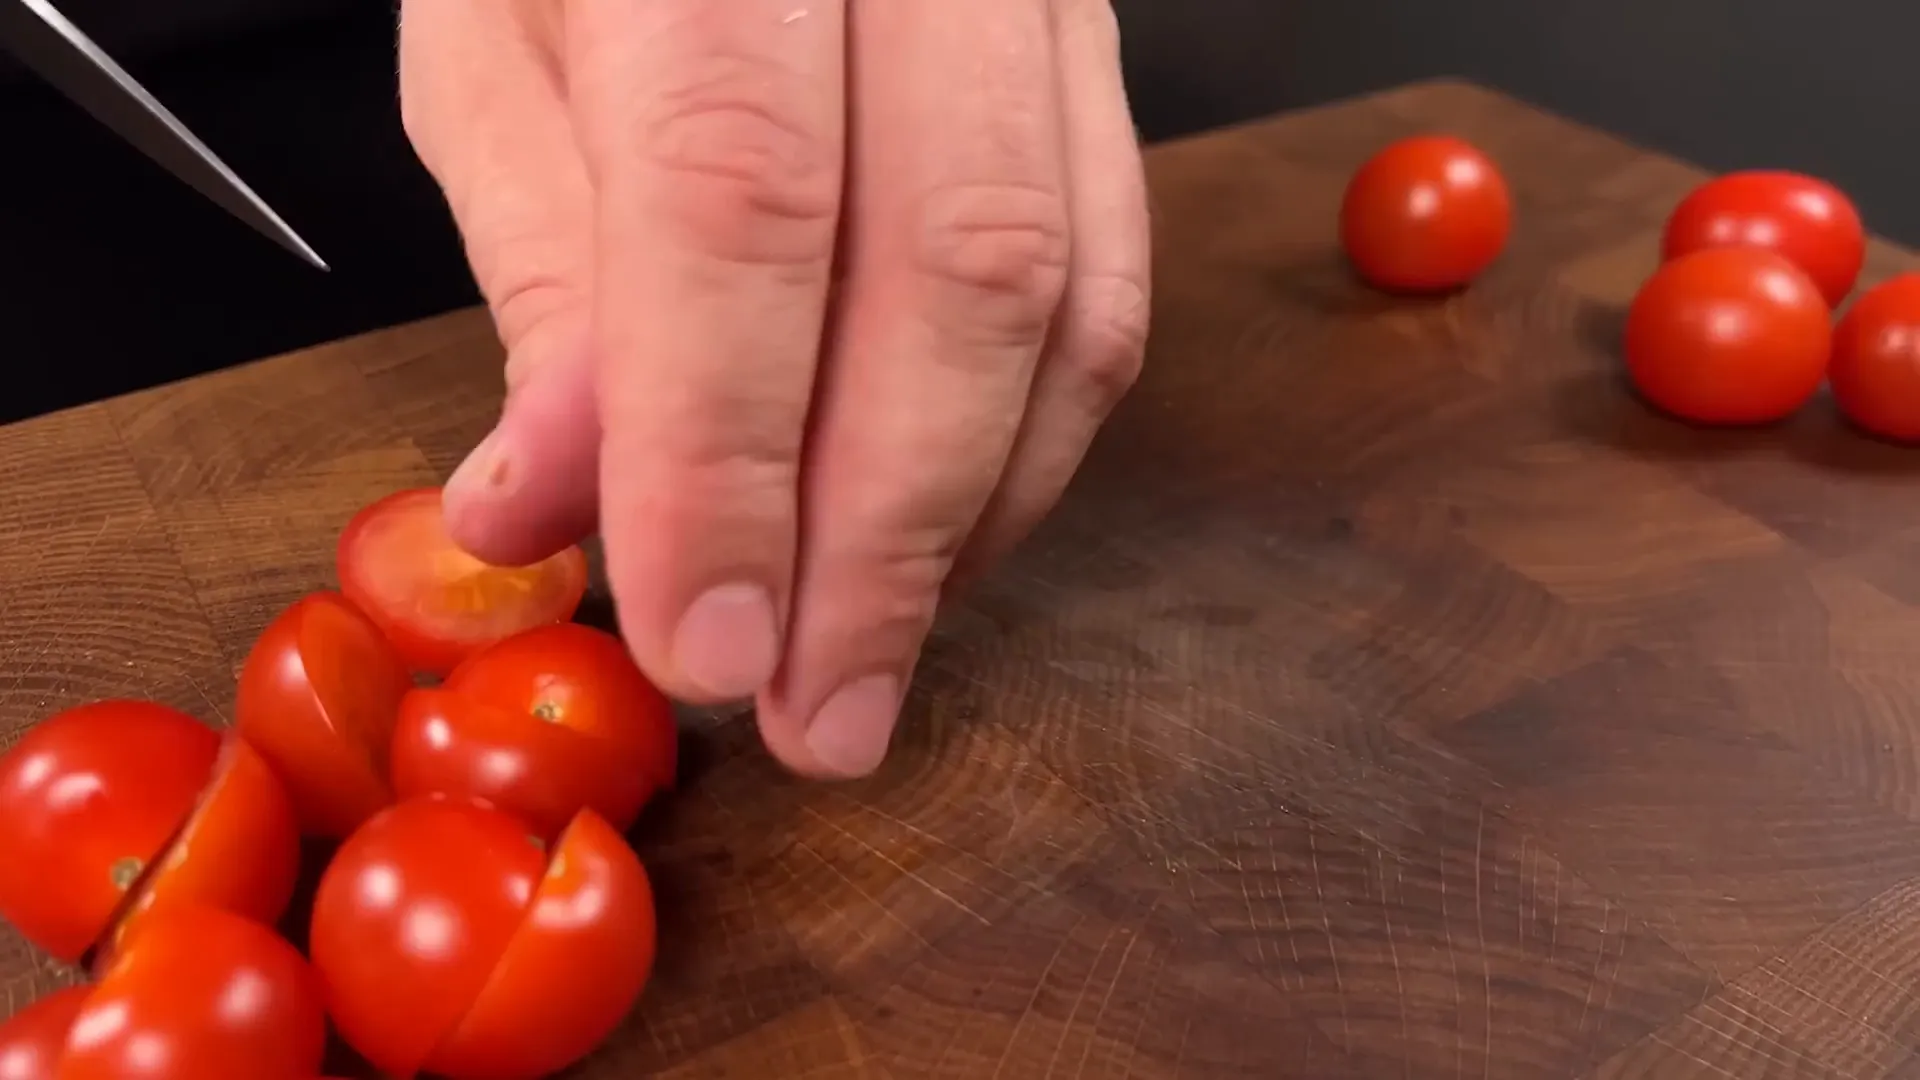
{"x": 543, "y": 724}
{"x": 318, "y": 697}
{"x": 239, "y": 851}
{"x": 33, "y": 1039}
{"x": 1428, "y": 213}
{"x": 450, "y": 943}
{"x": 1733, "y": 335}
{"x": 88, "y": 799}
{"x": 1875, "y": 371}
{"x": 1809, "y": 221}
{"x": 434, "y": 601}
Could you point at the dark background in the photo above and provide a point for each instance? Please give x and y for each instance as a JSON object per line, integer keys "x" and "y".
{"x": 113, "y": 276}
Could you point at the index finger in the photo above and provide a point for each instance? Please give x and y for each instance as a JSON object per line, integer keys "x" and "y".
{"x": 713, "y": 133}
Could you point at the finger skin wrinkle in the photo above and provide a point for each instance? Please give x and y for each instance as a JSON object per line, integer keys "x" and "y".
{"x": 1004, "y": 248}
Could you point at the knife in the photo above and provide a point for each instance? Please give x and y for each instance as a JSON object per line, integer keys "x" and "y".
{"x": 62, "y": 54}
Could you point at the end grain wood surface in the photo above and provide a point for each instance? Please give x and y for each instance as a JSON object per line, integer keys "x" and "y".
{"x": 1392, "y": 696}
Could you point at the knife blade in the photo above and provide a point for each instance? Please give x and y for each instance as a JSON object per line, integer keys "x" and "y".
{"x": 61, "y": 53}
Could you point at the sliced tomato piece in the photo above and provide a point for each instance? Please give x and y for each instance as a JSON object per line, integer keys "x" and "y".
{"x": 546, "y": 723}
{"x": 437, "y": 603}
{"x": 88, "y": 799}
{"x": 572, "y": 971}
{"x": 239, "y": 852}
{"x": 33, "y": 1039}
{"x": 318, "y": 698}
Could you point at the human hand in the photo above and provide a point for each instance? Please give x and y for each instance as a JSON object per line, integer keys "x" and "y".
{"x": 812, "y": 306}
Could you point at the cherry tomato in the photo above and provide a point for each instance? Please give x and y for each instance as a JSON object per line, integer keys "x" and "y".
{"x": 541, "y": 725}
{"x": 318, "y": 698}
{"x": 1426, "y": 214}
{"x": 1875, "y": 371}
{"x": 1809, "y": 221}
{"x": 32, "y": 1041}
{"x": 239, "y": 852}
{"x": 199, "y": 994}
{"x": 88, "y": 799}
{"x": 437, "y": 603}
{"x": 450, "y": 943}
{"x": 1730, "y": 335}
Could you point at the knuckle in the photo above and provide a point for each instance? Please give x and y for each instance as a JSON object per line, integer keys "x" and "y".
{"x": 1002, "y": 250}
{"x": 1112, "y": 317}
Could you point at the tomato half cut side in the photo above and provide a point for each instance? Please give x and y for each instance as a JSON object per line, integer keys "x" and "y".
{"x": 437, "y": 603}
{"x": 33, "y": 1039}
{"x": 88, "y": 799}
{"x": 566, "y": 979}
{"x": 239, "y": 851}
{"x": 318, "y": 697}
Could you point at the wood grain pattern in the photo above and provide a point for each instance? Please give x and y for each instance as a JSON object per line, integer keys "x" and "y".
{"x": 1391, "y": 697}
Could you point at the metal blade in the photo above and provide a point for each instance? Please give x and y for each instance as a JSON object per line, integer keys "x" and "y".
{"x": 62, "y": 54}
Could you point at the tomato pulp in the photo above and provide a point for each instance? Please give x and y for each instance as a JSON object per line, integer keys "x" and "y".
{"x": 450, "y": 942}
{"x": 1805, "y": 219}
{"x": 1875, "y": 371}
{"x": 1425, "y": 214}
{"x": 318, "y": 697}
{"x": 1733, "y": 335}
{"x": 436, "y": 603}
{"x": 542, "y": 725}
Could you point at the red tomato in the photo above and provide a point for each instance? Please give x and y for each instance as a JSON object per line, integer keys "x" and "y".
{"x": 32, "y": 1041}
{"x": 1426, "y": 214}
{"x": 239, "y": 852}
{"x": 1730, "y": 335}
{"x": 1809, "y": 221}
{"x": 542, "y": 725}
{"x": 88, "y": 798}
{"x": 437, "y": 603}
{"x": 450, "y": 943}
{"x": 318, "y": 698}
{"x": 199, "y": 994}
{"x": 1875, "y": 371}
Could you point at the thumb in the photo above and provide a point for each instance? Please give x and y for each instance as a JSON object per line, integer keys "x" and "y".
{"x": 481, "y": 99}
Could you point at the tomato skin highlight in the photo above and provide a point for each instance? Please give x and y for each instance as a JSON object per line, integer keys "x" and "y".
{"x": 33, "y": 1040}
{"x": 89, "y": 798}
{"x": 544, "y": 724}
{"x": 1803, "y": 218}
{"x": 463, "y": 871}
{"x": 1425, "y": 214}
{"x": 1875, "y": 370}
{"x": 437, "y": 604}
{"x": 564, "y": 982}
{"x": 239, "y": 851}
{"x": 200, "y": 994}
{"x": 1728, "y": 336}
{"x": 318, "y": 697}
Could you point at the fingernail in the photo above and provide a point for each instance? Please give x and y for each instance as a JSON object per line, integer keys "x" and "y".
{"x": 849, "y": 734}
{"x": 728, "y": 642}
{"x": 485, "y": 471}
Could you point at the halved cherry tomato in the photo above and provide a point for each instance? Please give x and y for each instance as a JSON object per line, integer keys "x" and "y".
{"x": 450, "y": 943}
{"x": 543, "y": 724}
{"x": 1734, "y": 335}
{"x": 318, "y": 698}
{"x": 199, "y": 994}
{"x": 88, "y": 799}
{"x": 1875, "y": 371}
{"x": 1425, "y": 214}
{"x": 1808, "y": 220}
{"x": 239, "y": 852}
{"x": 33, "y": 1039}
{"x": 434, "y": 601}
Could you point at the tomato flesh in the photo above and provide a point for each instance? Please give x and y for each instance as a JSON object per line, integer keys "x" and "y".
{"x": 1425, "y": 214}
{"x": 33, "y": 1039}
{"x": 542, "y": 725}
{"x": 1732, "y": 335}
{"x": 88, "y": 799}
{"x": 1875, "y": 371}
{"x": 318, "y": 698}
{"x": 436, "y": 603}
{"x": 1805, "y": 219}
